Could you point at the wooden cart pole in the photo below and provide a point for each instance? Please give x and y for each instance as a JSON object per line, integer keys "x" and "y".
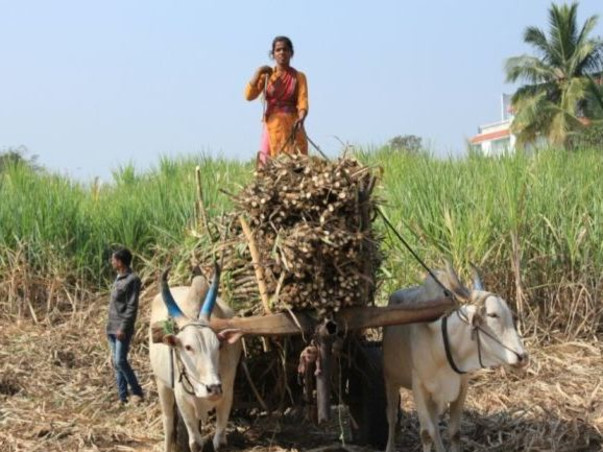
{"x": 259, "y": 274}
{"x": 325, "y": 336}
{"x": 257, "y": 265}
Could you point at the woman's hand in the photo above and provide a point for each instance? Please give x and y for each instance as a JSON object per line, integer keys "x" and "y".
{"x": 264, "y": 70}
{"x": 301, "y": 115}
{"x": 261, "y": 70}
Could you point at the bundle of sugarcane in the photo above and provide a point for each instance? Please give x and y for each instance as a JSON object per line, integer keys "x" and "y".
{"x": 300, "y": 237}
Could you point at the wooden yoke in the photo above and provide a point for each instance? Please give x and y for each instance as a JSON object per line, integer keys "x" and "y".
{"x": 283, "y": 324}
{"x": 347, "y": 319}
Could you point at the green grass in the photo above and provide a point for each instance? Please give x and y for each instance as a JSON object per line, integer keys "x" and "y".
{"x": 534, "y": 225}
{"x": 474, "y": 210}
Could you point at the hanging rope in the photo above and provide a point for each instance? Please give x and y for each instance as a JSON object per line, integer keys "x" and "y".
{"x": 447, "y": 292}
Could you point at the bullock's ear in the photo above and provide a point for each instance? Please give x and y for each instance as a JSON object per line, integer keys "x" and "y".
{"x": 159, "y": 330}
{"x": 171, "y": 340}
{"x": 229, "y": 336}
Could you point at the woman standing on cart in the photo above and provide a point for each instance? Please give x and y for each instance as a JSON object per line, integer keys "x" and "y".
{"x": 286, "y": 103}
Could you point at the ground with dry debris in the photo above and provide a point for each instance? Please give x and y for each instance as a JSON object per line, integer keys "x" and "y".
{"x": 57, "y": 394}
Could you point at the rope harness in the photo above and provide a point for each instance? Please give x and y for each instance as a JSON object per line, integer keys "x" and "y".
{"x": 475, "y": 330}
{"x": 183, "y": 375}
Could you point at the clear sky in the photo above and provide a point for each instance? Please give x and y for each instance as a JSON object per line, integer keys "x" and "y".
{"x": 92, "y": 85}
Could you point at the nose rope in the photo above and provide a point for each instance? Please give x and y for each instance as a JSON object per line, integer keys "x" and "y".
{"x": 495, "y": 339}
{"x": 479, "y": 329}
{"x": 184, "y": 376}
{"x": 475, "y": 329}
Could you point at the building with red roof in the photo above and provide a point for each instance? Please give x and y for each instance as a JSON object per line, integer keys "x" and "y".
{"x": 496, "y": 138}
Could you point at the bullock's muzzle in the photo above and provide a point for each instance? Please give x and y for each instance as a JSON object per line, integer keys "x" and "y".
{"x": 214, "y": 391}
{"x": 523, "y": 359}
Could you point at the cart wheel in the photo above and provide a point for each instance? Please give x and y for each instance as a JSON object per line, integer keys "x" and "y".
{"x": 367, "y": 401}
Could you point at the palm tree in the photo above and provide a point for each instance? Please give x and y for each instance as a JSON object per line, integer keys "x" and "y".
{"x": 561, "y": 94}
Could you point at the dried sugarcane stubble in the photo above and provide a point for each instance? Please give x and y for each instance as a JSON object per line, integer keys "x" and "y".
{"x": 312, "y": 225}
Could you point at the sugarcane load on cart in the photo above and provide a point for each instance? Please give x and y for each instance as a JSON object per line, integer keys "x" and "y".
{"x": 310, "y": 222}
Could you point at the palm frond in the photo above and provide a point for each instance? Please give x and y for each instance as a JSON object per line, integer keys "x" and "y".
{"x": 591, "y": 58}
{"x": 533, "y": 113}
{"x": 587, "y": 28}
{"x": 536, "y": 37}
{"x": 563, "y": 35}
{"x": 528, "y": 68}
{"x": 525, "y": 93}
{"x": 575, "y": 91}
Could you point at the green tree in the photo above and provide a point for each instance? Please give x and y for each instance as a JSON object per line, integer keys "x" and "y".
{"x": 17, "y": 156}
{"x": 409, "y": 143}
{"x": 560, "y": 91}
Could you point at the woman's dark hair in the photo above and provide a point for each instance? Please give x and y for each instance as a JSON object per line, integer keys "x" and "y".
{"x": 284, "y": 39}
{"x": 124, "y": 255}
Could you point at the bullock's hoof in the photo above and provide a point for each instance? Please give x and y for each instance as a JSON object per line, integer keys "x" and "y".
{"x": 218, "y": 443}
{"x": 207, "y": 446}
{"x": 196, "y": 447}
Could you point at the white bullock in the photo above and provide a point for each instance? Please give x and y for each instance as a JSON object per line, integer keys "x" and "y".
{"x": 435, "y": 359}
{"x": 194, "y": 366}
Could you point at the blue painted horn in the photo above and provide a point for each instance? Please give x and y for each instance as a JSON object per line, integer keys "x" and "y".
{"x": 173, "y": 309}
{"x": 212, "y": 294}
{"x": 477, "y": 281}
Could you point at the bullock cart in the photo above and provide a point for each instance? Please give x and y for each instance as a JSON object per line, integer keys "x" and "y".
{"x": 329, "y": 361}
{"x": 341, "y": 334}
{"x": 300, "y": 263}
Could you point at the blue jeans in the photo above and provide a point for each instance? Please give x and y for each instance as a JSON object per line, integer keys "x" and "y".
{"x": 124, "y": 375}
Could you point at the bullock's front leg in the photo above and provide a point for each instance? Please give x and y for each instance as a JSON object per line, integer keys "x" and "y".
{"x": 229, "y": 358}
{"x": 428, "y": 418}
{"x": 186, "y": 404}
{"x": 456, "y": 411}
{"x": 222, "y": 415}
{"x": 168, "y": 407}
{"x": 392, "y": 391}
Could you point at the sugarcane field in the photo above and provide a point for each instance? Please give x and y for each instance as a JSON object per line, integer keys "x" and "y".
{"x": 307, "y": 262}
{"x": 379, "y": 231}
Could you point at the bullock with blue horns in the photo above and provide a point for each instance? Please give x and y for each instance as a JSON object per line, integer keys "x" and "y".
{"x": 194, "y": 366}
